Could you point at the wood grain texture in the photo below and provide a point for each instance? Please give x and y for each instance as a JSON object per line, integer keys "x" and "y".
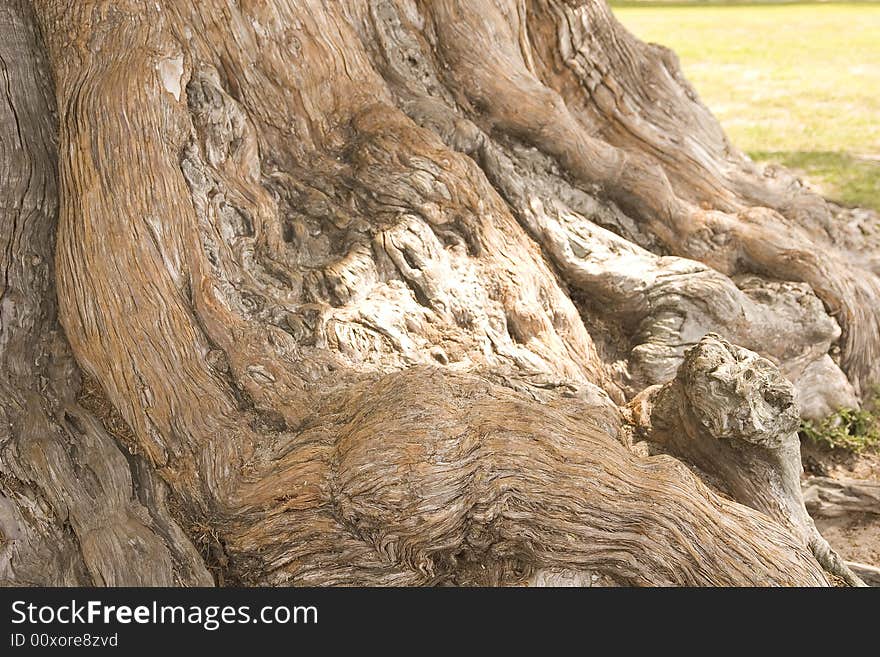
{"x": 364, "y": 288}
{"x": 74, "y": 507}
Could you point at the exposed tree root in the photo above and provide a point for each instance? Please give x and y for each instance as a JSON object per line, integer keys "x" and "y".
{"x": 369, "y": 299}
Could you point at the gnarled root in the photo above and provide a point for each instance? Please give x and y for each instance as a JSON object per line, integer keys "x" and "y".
{"x": 731, "y": 413}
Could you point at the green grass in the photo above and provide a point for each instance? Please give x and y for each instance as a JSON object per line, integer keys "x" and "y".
{"x": 794, "y": 84}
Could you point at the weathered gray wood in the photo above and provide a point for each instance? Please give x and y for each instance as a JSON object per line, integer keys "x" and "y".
{"x": 831, "y": 498}
{"x": 730, "y": 413}
{"x": 869, "y": 574}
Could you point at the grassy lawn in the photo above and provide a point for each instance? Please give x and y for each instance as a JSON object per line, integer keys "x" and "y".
{"x": 796, "y": 84}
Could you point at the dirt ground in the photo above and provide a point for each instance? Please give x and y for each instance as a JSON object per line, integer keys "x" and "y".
{"x": 856, "y": 536}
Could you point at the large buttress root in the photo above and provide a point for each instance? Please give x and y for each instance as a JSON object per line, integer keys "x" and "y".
{"x": 74, "y": 508}
{"x": 472, "y": 483}
{"x": 347, "y": 289}
{"x": 657, "y": 306}
{"x": 577, "y": 94}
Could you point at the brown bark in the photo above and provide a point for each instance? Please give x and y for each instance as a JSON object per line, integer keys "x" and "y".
{"x": 74, "y": 508}
{"x": 364, "y": 287}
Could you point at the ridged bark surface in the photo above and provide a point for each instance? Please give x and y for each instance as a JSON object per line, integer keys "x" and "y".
{"x": 360, "y": 290}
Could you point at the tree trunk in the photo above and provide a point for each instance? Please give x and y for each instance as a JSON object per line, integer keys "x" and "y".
{"x": 389, "y": 292}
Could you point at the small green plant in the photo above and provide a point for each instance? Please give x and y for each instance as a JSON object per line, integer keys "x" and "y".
{"x": 851, "y": 429}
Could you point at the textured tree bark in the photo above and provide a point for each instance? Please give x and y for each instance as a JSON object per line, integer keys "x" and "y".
{"x": 360, "y": 290}
{"x": 74, "y": 507}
